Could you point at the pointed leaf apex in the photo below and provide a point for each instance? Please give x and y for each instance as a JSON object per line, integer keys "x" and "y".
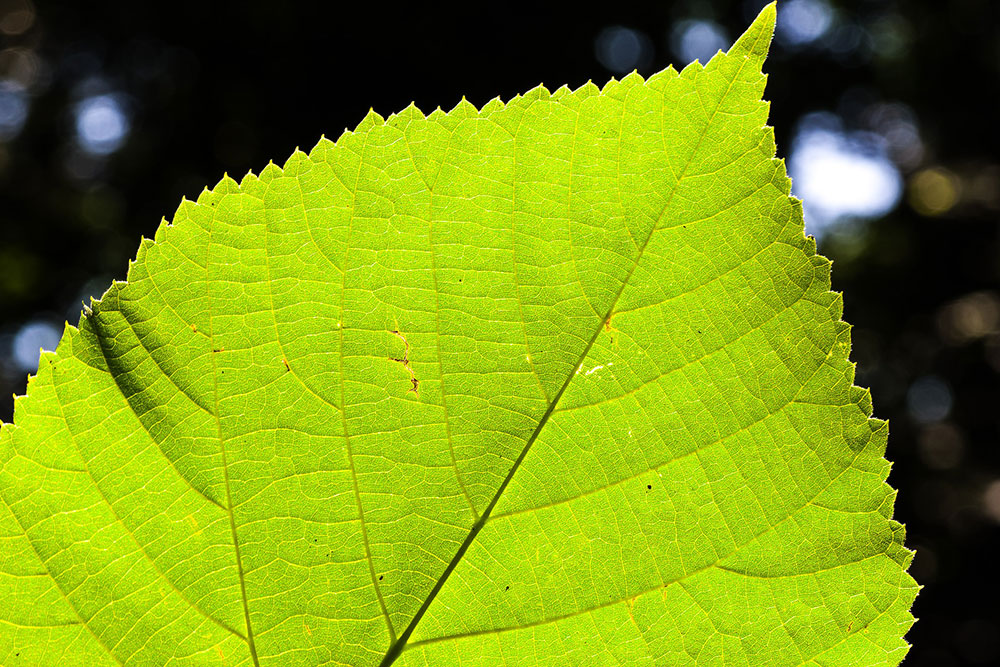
{"x": 756, "y": 41}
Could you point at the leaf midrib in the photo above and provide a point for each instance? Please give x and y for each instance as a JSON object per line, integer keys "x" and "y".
{"x": 396, "y": 648}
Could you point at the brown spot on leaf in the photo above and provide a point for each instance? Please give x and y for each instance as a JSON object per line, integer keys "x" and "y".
{"x": 405, "y": 361}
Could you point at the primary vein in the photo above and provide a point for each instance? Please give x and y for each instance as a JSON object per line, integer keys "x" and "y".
{"x": 396, "y": 648}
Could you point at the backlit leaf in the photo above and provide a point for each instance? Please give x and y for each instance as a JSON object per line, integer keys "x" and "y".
{"x": 558, "y": 381}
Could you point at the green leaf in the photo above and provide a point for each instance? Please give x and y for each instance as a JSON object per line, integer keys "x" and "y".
{"x": 554, "y": 382}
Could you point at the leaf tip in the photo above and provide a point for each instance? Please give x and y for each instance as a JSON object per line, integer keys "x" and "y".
{"x": 324, "y": 144}
{"x": 755, "y": 42}
{"x": 464, "y": 108}
{"x": 270, "y": 172}
{"x": 226, "y": 185}
{"x": 371, "y": 119}
{"x": 633, "y": 78}
{"x": 494, "y": 104}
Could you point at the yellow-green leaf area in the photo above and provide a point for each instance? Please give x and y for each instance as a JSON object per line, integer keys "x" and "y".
{"x": 558, "y": 381}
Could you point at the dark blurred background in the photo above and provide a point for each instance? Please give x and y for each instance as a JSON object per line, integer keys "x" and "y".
{"x": 887, "y": 111}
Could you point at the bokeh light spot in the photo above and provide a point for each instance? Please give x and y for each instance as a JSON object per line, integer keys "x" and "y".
{"x": 934, "y": 191}
{"x": 13, "y": 109}
{"x": 840, "y": 174}
{"x": 19, "y": 269}
{"x": 622, "y": 49}
{"x": 33, "y": 336}
{"x": 941, "y": 446}
{"x": 21, "y": 66}
{"x": 891, "y": 36}
{"x": 984, "y": 186}
{"x": 970, "y": 318}
{"x": 897, "y": 123}
{"x": 698, "y": 40}
{"x": 929, "y": 399}
{"x": 803, "y": 21}
{"x": 16, "y": 16}
{"x": 847, "y": 42}
{"x": 991, "y": 500}
{"x": 102, "y": 124}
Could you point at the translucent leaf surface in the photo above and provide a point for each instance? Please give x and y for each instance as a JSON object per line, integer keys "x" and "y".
{"x": 559, "y": 381}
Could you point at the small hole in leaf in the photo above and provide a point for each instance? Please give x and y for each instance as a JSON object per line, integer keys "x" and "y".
{"x": 649, "y": 486}
{"x": 380, "y": 577}
{"x": 507, "y": 589}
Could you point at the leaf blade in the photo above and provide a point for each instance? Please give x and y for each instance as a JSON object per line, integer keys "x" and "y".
{"x": 331, "y": 374}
